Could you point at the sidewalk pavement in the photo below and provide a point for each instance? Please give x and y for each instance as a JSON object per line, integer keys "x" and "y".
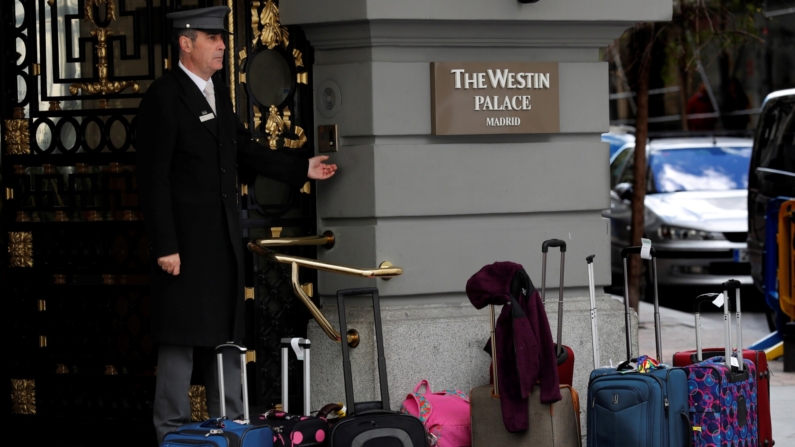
{"x": 678, "y": 334}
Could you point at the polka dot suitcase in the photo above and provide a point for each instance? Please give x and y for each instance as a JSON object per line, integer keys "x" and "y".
{"x": 292, "y": 429}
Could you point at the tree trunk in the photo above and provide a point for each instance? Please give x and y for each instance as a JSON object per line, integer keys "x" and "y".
{"x": 684, "y": 82}
{"x": 644, "y": 35}
{"x": 683, "y": 79}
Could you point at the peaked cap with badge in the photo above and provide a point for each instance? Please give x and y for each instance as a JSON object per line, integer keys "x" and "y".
{"x": 210, "y": 20}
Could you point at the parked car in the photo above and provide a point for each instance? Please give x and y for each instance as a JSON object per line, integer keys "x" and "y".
{"x": 695, "y": 208}
{"x": 618, "y": 137}
{"x": 771, "y": 173}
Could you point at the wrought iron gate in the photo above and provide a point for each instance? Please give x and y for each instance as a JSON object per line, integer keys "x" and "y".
{"x": 75, "y": 275}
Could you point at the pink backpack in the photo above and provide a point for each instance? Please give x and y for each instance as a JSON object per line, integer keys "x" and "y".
{"x": 445, "y": 415}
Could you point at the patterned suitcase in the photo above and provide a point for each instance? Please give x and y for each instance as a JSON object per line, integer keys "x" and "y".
{"x": 759, "y": 359}
{"x": 630, "y": 408}
{"x": 564, "y": 353}
{"x": 723, "y": 393}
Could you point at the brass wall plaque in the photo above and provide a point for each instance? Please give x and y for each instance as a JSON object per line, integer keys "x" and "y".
{"x": 473, "y": 98}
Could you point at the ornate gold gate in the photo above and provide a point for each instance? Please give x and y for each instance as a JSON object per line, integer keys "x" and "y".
{"x": 75, "y": 275}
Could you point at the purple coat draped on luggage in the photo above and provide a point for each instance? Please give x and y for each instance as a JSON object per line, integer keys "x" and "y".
{"x": 524, "y": 342}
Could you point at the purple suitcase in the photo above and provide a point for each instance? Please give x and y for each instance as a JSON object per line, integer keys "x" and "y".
{"x": 723, "y": 396}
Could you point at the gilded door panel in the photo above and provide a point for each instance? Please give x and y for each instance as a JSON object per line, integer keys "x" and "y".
{"x": 75, "y": 274}
{"x": 273, "y": 97}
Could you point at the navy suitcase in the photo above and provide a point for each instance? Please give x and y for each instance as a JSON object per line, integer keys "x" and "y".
{"x": 629, "y": 408}
{"x": 222, "y": 432}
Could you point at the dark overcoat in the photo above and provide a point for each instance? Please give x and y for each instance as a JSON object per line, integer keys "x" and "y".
{"x": 187, "y": 161}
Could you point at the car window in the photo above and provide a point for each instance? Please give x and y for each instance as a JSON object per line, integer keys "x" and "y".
{"x": 700, "y": 169}
{"x": 775, "y": 148}
{"x": 628, "y": 174}
{"x": 618, "y": 164}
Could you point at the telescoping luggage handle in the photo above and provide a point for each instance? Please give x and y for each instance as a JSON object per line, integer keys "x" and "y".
{"x": 301, "y": 348}
{"x": 627, "y": 321}
{"x": 219, "y": 351}
{"x": 594, "y": 328}
{"x": 560, "y": 350}
{"x": 379, "y": 341}
{"x": 701, "y": 299}
{"x": 729, "y": 286}
{"x": 496, "y": 391}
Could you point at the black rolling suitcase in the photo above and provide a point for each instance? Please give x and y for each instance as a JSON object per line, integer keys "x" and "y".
{"x": 372, "y": 424}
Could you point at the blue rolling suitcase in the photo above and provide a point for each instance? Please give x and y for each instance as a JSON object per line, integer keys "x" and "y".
{"x": 630, "y": 408}
{"x": 222, "y": 432}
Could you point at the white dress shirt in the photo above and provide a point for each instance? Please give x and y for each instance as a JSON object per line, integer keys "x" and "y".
{"x": 201, "y": 83}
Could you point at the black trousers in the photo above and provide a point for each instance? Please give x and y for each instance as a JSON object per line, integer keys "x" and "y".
{"x": 174, "y": 368}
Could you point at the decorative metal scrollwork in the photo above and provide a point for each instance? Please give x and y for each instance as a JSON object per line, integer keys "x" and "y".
{"x": 110, "y": 12}
{"x": 103, "y": 86}
{"x": 23, "y": 396}
{"x": 278, "y": 124}
{"x": 20, "y": 249}
{"x": 268, "y": 33}
{"x": 274, "y": 126}
{"x": 16, "y": 135}
{"x": 267, "y": 27}
{"x": 198, "y": 403}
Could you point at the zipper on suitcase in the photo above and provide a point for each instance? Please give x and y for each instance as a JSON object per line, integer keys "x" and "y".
{"x": 191, "y": 441}
{"x": 231, "y": 439}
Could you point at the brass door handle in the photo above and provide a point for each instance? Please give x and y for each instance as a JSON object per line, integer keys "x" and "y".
{"x": 385, "y": 271}
{"x": 326, "y": 240}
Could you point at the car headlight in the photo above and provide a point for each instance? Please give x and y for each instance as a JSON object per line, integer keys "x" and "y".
{"x": 666, "y": 232}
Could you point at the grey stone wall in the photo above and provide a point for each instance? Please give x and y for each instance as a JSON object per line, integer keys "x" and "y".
{"x": 441, "y": 207}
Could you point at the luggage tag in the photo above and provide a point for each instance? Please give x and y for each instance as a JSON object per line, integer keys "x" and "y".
{"x": 206, "y": 116}
{"x": 299, "y": 351}
{"x": 645, "y": 249}
{"x": 718, "y": 301}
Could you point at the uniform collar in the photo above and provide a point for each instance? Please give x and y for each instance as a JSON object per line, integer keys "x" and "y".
{"x": 201, "y": 83}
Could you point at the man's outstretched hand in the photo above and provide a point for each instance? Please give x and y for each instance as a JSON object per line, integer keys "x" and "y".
{"x": 319, "y": 170}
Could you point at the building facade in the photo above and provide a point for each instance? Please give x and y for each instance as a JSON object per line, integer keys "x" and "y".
{"x": 349, "y": 78}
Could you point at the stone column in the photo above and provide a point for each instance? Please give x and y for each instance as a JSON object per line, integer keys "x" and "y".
{"x": 441, "y": 207}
